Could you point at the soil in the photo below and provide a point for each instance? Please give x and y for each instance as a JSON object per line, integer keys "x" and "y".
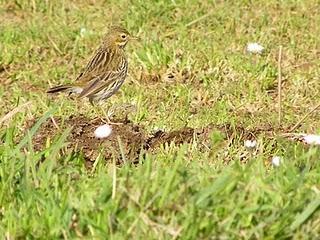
{"x": 127, "y": 142}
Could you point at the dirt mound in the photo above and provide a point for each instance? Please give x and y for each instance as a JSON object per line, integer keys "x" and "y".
{"x": 127, "y": 141}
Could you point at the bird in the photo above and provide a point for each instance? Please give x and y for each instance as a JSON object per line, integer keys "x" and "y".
{"x": 106, "y": 70}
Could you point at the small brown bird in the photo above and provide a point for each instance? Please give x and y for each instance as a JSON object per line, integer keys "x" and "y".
{"x": 105, "y": 72}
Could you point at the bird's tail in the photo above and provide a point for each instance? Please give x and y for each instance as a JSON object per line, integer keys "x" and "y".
{"x": 60, "y": 88}
{"x": 65, "y": 88}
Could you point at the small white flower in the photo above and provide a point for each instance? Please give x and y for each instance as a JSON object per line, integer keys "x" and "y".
{"x": 83, "y": 32}
{"x": 276, "y": 161}
{"x": 250, "y": 143}
{"x": 103, "y": 131}
{"x": 311, "y": 139}
{"x": 255, "y": 48}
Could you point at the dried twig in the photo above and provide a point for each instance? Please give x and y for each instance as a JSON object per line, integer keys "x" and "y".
{"x": 14, "y": 111}
{"x": 55, "y": 46}
{"x": 174, "y": 232}
{"x": 304, "y": 118}
{"x": 199, "y": 19}
{"x": 55, "y": 123}
{"x": 114, "y": 179}
{"x": 123, "y": 156}
{"x": 279, "y": 86}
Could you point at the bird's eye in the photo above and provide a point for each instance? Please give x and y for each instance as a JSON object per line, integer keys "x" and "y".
{"x": 123, "y": 36}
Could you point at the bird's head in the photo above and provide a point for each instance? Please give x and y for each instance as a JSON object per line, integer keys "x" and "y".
{"x": 118, "y": 37}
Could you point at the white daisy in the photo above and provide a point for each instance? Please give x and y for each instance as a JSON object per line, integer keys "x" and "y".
{"x": 83, "y": 31}
{"x": 311, "y": 139}
{"x": 276, "y": 161}
{"x": 255, "y": 48}
{"x": 250, "y": 143}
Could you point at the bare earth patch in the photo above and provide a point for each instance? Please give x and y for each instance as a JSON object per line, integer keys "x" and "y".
{"x": 128, "y": 141}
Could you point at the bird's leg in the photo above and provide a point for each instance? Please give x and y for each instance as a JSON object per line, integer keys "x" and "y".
{"x": 105, "y": 114}
{"x": 97, "y": 110}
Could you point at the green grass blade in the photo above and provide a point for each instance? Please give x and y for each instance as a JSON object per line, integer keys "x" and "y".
{"x": 309, "y": 210}
{"x": 34, "y": 129}
{"x": 219, "y": 185}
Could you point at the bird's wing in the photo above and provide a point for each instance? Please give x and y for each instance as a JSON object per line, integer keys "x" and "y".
{"x": 106, "y": 80}
{"x": 103, "y": 71}
{"x": 99, "y": 62}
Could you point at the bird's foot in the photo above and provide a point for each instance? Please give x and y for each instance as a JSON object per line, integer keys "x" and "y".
{"x": 107, "y": 120}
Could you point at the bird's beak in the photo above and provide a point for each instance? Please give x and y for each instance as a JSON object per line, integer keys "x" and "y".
{"x": 134, "y": 38}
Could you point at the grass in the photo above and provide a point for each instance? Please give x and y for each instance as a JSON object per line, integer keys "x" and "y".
{"x": 178, "y": 191}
